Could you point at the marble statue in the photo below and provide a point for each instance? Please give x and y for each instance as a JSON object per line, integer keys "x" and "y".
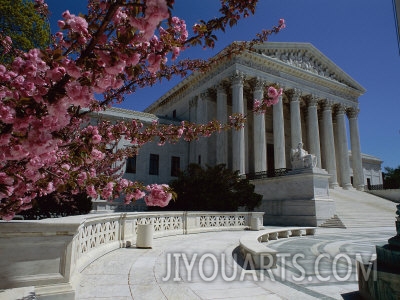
{"x": 301, "y": 159}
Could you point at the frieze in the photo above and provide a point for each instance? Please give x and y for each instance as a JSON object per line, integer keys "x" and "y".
{"x": 285, "y": 68}
{"x": 302, "y": 59}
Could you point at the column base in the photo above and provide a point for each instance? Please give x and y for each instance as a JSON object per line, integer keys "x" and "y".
{"x": 348, "y": 186}
{"x": 333, "y": 185}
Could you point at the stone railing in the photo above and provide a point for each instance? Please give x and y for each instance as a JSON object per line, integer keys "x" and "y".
{"x": 48, "y": 254}
{"x": 264, "y": 257}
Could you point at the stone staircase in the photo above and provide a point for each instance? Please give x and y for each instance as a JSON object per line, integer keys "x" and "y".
{"x": 333, "y": 222}
{"x": 361, "y": 209}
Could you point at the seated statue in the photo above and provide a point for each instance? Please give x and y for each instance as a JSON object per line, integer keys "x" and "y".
{"x": 300, "y": 158}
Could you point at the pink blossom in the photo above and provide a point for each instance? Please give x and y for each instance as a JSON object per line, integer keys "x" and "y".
{"x": 154, "y": 62}
{"x": 282, "y": 23}
{"x": 91, "y": 191}
{"x": 272, "y": 92}
{"x": 81, "y": 178}
{"x": 107, "y": 190}
{"x": 97, "y": 155}
{"x": 158, "y": 196}
{"x": 96, "y": 139}
{"x": 5, "y": 179}
{"x": 137, "y": 194}
{"x": 78, "y": 24}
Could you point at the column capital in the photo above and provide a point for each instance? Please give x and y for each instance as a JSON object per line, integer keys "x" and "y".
{"x": 220, "y": 87}
{"x": 340, "y": 109}
{"x": 312, "y": 100}
{"x": 327, "y": 104}
{"x": 205, "y": 94}
{"x": 352, "y": 112}
{"x": 259, "y": 84}
{"x": 238, "y": 77}
{"x": 295, "y": 94}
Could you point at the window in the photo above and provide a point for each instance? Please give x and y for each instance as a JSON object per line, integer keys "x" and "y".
{"x": 175, "y": 165}
{"x": 131, "y": 165}
{"x": 174, "y": 114}
{"x": 199, "y": 160}
{"x": 154, "y": 160}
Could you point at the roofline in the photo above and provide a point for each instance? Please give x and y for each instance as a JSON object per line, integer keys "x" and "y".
{"x": 192, "y": 77}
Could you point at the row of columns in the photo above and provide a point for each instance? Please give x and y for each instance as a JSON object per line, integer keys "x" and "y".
{"x": 330, "y": 144}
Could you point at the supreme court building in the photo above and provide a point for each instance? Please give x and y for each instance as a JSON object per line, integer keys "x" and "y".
{"x": 318, "y": 99}
{"x": 318, "y": 108}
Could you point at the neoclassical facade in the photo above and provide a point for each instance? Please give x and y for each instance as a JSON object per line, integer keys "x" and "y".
{"x": 318, "y": 106}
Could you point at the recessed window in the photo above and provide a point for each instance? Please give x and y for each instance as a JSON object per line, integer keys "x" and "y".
{"x": 154, "y": 162}
{"x": 175, "y": 165}
{"x": 174, "y": 114}
{"x": 131, "y": 165}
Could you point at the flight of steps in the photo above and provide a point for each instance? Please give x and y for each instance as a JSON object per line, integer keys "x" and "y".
{"x": 333, "y": 222}
{"x": 361, "y": 209}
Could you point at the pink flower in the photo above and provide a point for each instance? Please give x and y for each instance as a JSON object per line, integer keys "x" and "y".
{"x": 97, "y": 155}
{"x": 78, "y": 24}
{"x": 96, "y": 139}
{"x": 272, "y": 92}
{"x": 282, "y": 24}
{"x": 137, "y": 194}
{"x": 91, "y": 191}
{"x": 158, "y": 196}
{"x": 107, "y": 190}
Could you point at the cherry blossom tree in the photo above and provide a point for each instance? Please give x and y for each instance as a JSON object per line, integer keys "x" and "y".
{"x": 93, "y": 62}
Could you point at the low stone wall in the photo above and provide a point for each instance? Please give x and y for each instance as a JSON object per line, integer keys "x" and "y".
{"x": 391, "y": 194}
{"x": 47, "y": 254}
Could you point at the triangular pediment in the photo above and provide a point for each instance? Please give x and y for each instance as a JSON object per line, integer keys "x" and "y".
{"x": 306, "y": 57}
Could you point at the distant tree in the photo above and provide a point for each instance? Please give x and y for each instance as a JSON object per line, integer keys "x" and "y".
{"x": 214, "y": 189}
{"x": 391, "y": 178}
{"x": 58, "y": 205}
{"x": 25, "y": 24}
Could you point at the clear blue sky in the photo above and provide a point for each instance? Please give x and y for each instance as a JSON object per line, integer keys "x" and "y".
{"x": 358, "y": 35}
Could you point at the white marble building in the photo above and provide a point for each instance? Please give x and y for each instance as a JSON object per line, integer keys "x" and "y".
{"x": 320, "y": 102}
{"x": 319, "y": 105}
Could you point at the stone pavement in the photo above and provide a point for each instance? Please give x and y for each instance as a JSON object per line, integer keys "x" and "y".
{"x": 209, "y": 266}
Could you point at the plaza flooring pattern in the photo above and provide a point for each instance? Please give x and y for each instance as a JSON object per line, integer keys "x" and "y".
{"x": 209, "y": 266}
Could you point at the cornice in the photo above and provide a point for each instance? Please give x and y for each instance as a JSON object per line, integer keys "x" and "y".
{"x": 318, "y": 75}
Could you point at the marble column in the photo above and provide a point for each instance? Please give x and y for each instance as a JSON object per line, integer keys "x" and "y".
{"x": 202, "y": 117}
{"x": 313, "y": 129}
{"x": 193, "y": 119}
{"x": 279, "y": 135}
{"x": 295, "y": 119}
{"x": 329, "y": 143}
{"x": 358, "y": 172}
{"x": 260, "y": 144}
{"x": 343, "y": 155}
{"x": 222, "y": 116}
{"x": 238, "y": 155}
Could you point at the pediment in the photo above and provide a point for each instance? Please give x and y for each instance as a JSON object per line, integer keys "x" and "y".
{"x": 308, "y": 58}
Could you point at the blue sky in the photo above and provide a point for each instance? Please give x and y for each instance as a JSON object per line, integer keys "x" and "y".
{"x": 359, "y": 36}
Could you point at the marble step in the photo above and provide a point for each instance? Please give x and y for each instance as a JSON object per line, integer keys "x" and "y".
{"x": 333, "y": 222}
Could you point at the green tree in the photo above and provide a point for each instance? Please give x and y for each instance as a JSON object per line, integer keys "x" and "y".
{"x": 58, "y": 205}
{"x": 213, "y": 189}
{"x": 391, "y": 178}
{"x": 24, "y": 24}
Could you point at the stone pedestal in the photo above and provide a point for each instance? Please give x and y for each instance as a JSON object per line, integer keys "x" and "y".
{"x": 304, "y": 201}
{"x": 385, "y": 282}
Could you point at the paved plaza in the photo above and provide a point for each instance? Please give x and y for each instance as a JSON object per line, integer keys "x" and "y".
{"x": 209, "y": 265}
